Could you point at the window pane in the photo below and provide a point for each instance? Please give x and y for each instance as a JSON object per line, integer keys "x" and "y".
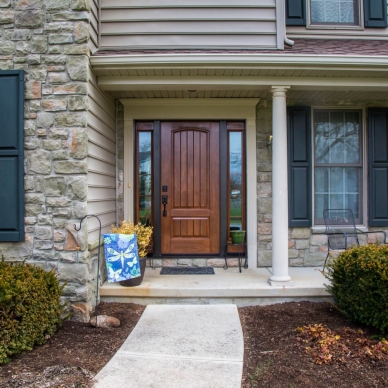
{"x": 334, "y": 11}
{"x": 144, "y": 150}
{"x": 235, "y": 179}
{"x": 337, "y": 188}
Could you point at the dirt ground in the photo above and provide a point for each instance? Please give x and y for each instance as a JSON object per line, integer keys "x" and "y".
{"x": 275, "y": 350}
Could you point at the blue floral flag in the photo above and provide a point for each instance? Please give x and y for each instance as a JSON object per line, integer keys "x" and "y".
{"x": 121, "y": 257}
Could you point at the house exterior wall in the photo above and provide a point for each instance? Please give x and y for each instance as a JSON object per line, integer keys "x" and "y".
{"x": 49, "y": 41}
{"x": 156, "y": 24}
{"x": 307, "y": 247}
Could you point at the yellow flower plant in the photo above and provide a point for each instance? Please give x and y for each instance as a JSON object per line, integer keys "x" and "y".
{"x": 143, "y": 233}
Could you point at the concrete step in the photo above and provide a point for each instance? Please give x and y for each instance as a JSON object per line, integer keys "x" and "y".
{"x": 250, "y": 287}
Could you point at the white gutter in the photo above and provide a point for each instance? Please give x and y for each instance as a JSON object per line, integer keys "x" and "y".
{"x": 239, "y": 60}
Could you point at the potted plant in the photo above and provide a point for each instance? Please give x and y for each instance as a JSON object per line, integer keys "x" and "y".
{"x": 237, "y": 236}
{"x": 143, "y": 234}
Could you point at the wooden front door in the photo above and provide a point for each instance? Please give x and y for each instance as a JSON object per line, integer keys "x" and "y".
{"x": 190, "y": 188}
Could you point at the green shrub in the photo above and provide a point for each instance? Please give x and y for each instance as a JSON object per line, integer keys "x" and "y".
{"x": 359, "y": 284}
{"x": 30, "y": 309}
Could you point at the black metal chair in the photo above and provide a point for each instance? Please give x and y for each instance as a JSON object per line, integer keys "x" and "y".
{"x": 341, "y": 230}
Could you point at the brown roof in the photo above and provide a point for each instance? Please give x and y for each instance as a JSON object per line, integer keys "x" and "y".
{"x": 301, "y": 47}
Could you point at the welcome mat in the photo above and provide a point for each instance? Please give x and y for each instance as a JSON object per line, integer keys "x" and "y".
{"x": 187, "y": 271}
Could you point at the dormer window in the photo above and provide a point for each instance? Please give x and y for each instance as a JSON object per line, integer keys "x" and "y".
{"x": 335, "y": 12}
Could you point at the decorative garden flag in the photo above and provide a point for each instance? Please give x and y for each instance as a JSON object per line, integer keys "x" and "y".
{"x": 121, "y": 257}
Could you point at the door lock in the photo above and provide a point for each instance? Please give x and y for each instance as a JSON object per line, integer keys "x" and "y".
{"x": 164, "y": 202}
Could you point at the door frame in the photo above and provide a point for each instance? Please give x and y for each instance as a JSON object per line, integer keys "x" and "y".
{"x": 196, "y": 110}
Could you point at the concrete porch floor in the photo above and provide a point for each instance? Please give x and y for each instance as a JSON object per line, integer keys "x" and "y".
{"x": 248, "y": 288}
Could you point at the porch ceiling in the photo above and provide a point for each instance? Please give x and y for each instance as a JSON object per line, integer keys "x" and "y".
{"x": 310, "y": 77}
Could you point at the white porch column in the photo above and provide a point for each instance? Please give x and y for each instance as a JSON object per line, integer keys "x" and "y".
{"x": 280, "y": 275}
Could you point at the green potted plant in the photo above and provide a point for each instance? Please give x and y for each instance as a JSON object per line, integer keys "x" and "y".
{"x": 237, "y": 236}
{"x": 143, "y": 233}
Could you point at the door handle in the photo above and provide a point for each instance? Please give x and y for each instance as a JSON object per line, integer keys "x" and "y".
{"x": 164, "y": 202}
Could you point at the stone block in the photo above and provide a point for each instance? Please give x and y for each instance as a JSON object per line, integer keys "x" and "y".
{"x": 170, "y": 262}
{"x": 264, "y": 259}
{"x": 302, "y": 244}
{"x": 6, "y": 64}
{"x": 73, "y": 273}
{"x": 79, "y": 143}
{"x": 34, "y": 59}
{"x": 297, "y": 233}
{"x": 39, "y": 44}
{"x": 54, "y": 59}
{"x": 81, "y": 312}
{"x": 5, "y": 3}
{"x": 70, "y": 119}
{"x": 264, "y": 228}
{"x": 296, "y": 262}
{"x": 16, "y": 251}
{"x": 314, "y": 259}
{"x": 39, "y": 161}
{"x": 56, "y": 105}
{"x": 43, "y": 232}
{"x": 59, "y": 27}
{"x": 55, "y": 49}
{"x": 76, "y": 49}
{"x": 265, "y": 205}
{"x": 35, "y": 198}
{"x": 33, "y": 209}
{"x": 78, "y": 103}
{"x": 77, "y": 187}
{"x": 60, "y": 155}
{"x": 264, "y": 189}
{"x": 67, "y": 257}
{"x": 318, "y": 239}
{"x": 77, "y": 67}
{"x": 60, "y": 38}
{"x": 199, "y": 263}
{"x": 51, "y": 145}
{"x": 216, "y": 263}
{"x": 57, "y": 78}
{"x": 83, "y": 15}
{"x": 6, "y": 47}
{"x": 78, "y": 209}
{"x": 71, "y": 167}
{"x": 52, "y": 5}
{"x": 33, "y": 90}
{"x": 37, "y": 73}
{"x": 81, "y": 32}
{"x": 45, "y": 219}
{"x": 54, "y": 186}
{"x": 29, "y": 18}
{"x": 293, "y": 253}
{"x": 31, "y": 143}
{"x": 59, "y": 236}
{"x": 29, "y": 183}
{"x": 185, "y": 262}
{"x": 6, "y": 16}
{"x": 57, "y": 201}
{"x": 80, "y": 5}
{"x": 34, "y": 105}
{"x": 61, "y": 212}
{"x": 71, "y": 88}
{"x": 44, "y": 120}
{"x": 44, "y": 244}
{"x": 59, "y": 133}
{"x": 59, "y": 222}
{"x": 29, "y": 4}
{"x": 23, "y": 48}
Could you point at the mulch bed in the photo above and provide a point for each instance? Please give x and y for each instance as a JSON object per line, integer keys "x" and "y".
{"x": 275, "y": 350}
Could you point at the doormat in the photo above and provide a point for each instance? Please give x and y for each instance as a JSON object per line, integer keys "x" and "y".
{"x": 187, "y": 271}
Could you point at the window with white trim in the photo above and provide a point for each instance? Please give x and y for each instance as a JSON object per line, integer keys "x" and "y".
{"x": 337, "y": 162}
{"x": 333, "y": 12}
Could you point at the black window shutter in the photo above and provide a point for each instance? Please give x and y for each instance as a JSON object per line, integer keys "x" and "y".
{"x": 375, "y": 13}
{"x": 11, "y": 156}
{"x": 299, "y": 166}
{"x": 295, "y": 12}
{"x": 378, "y": 166}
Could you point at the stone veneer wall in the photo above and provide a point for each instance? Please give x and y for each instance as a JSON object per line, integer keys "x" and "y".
{"x": 307, "y": 247}
{"x": 48, "y": 40}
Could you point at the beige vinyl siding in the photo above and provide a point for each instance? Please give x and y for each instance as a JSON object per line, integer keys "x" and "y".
{"x": 295, "y": 32}
{"x": 158, "y": 24}
{"x": 93, "y": 27}
{"x": 101, "y": 159}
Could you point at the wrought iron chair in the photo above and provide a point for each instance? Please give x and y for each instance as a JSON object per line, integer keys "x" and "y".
{"x": 341, "y": 230}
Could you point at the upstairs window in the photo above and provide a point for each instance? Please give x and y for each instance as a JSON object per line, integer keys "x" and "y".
{"x": 335, "y": 12}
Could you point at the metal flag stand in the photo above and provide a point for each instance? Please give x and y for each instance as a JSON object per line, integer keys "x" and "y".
{"x": 98, "y": 257}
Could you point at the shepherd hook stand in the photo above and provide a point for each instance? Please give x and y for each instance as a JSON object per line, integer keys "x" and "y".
{"x": 98, "y": 257}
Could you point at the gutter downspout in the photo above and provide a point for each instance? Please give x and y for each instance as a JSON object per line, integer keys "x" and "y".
{"x": 288, "y": 42}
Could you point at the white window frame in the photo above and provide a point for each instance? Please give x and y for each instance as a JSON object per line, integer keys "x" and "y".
{"x": 364, "y": 172}
{"x": 335, "y": 26}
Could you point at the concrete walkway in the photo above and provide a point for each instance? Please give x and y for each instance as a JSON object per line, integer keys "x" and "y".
{"x": 179, "y": 346}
